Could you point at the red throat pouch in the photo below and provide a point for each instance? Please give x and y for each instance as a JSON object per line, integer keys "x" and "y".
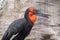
{"x": 32, "y": 17}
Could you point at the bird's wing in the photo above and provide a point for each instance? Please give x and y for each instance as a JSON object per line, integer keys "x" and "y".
{"x": 18, "y": 24}
{"x": 14, "y": 28}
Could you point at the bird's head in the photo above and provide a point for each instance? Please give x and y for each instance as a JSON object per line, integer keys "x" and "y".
{"x": 30, "y": 14}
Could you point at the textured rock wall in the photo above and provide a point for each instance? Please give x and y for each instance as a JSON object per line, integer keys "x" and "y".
{"x": 43, "y": 28}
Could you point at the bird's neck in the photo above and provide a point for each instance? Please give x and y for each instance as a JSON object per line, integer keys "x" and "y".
{"x": 28, "y": 19}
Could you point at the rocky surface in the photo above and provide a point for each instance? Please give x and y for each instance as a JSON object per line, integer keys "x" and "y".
{"x": 44, "y": 28}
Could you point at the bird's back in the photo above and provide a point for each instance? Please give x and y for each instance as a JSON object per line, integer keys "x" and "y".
{"x": 18, "y": 25}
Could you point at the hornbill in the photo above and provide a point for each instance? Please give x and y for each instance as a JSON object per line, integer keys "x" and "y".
{"x": 22, "y": 27}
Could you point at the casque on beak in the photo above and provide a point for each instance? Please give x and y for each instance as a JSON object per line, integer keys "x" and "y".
{"x": 38, "y": 13}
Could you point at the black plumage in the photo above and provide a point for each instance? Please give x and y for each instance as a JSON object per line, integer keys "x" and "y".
{"x": 21, "y": 26}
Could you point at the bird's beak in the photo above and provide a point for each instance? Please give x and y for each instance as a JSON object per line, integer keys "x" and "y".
{"x": 38, "y": 13}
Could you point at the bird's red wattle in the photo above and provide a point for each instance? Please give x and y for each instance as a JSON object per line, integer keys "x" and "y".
{"x": 32, "y": 17}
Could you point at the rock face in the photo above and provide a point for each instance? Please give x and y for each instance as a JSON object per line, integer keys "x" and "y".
{"x": 44, "y": 28}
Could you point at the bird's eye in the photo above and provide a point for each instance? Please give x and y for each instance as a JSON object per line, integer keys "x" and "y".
{"x": 32, "y": 9}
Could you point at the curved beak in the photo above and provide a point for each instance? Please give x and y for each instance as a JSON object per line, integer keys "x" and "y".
{"x": 38, "y": 13}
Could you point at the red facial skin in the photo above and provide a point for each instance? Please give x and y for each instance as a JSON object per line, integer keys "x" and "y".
{"x": 32, "y": 9}
{"x": 32, "y": 16}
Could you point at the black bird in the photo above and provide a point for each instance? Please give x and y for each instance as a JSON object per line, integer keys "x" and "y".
{"x": 21, "y": 27}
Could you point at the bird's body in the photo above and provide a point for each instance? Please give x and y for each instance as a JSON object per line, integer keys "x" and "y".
{"x": 21, "y": 27}
{"x": 24, "y": 32}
